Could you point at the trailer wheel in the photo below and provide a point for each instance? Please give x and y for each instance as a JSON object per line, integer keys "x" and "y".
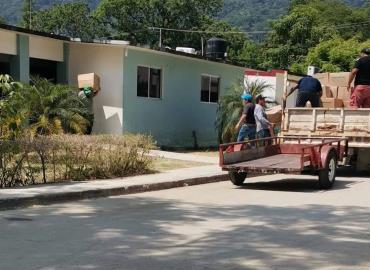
{"x": 328, "y": 174}
{"x": 237, "y": 178}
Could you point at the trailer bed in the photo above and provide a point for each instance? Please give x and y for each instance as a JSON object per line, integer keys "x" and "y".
{"x": 284, "y": 155}
{"x": 353, "y": 124}
{"x": 281, "y": 163}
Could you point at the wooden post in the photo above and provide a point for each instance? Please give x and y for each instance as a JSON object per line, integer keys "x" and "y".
{"x": 342, "y": 116}
{"x": 285, "y": 127}
{"x": 314, "y": 120}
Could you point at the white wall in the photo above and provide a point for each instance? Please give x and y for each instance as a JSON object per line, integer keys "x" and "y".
{"x": 8, "y": 42}
{"x": 107, "y": 62}
{"x": 269, "y": 93}
{"x": 46, "y": 48}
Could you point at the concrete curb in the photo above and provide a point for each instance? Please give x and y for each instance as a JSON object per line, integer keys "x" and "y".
{"x": 15, "y": 203}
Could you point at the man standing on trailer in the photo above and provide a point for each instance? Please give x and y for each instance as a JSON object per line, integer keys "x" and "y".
{"x": 309, "y": 89}
{"x": 264, "y": 126}
{"x": 360, "y": 97}
{"x": 247, "y": 122}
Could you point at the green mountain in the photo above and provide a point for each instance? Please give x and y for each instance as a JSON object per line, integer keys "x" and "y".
{"x": 250, "y": 15}
{"x": 254, "y": 15}
{"x": 11, "y": 10}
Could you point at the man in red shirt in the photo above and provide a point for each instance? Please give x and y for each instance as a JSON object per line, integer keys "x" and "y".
{"x": 361, "y": 73}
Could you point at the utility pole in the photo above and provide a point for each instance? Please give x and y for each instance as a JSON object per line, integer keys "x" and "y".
{"x": 202, "y": 41}
{"x": 160, "y": 38}
{"x": 30, "y": 22}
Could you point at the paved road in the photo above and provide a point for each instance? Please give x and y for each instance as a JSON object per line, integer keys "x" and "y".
{"x": 284, "y": 224}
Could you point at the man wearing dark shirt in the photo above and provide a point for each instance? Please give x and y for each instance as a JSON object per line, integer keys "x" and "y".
{"x": 360, "y": 97}
{"x": 247, "y": 123}
{"x": 310, "y": 89}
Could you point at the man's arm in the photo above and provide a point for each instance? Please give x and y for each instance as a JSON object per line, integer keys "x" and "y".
{"x": 241, "y": 121}
{"x": 260, "y": 117}
{"x": 352, "y": 76}
{"x": 291, "y": 91}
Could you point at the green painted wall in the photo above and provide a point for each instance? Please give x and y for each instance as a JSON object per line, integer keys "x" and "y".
{"x": 20, "y": 65}
{"x": 173, "y": 118}
{"x": 63, "y": 67}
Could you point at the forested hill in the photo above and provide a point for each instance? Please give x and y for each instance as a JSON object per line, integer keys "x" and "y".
{"x": 247, "y": 14}
{"x": 252, "y": 15}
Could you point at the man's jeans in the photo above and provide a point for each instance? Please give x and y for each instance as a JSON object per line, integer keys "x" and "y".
{"x": 247, "y": 131}
{"x": 265, "y": 133}
{"x": 304, "y": 97}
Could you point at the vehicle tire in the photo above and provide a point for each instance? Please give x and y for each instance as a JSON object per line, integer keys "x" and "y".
{"x": 237, "y": 178}
{"x": 328, "y": 174}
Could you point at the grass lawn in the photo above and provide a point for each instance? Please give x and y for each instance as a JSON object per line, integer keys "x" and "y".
{"x": 163, "y": 164}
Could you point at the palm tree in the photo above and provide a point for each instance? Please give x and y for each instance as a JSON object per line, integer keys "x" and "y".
{"x": 230, "y": 108}
{"x": 43, "y": 108}
{"x": 56, "y": 109}
{"x": 11, "y": 114}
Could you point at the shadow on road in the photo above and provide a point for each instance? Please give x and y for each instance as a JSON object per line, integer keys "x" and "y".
{"x": 138, "y": 232}
{"x": 295, "y": 185}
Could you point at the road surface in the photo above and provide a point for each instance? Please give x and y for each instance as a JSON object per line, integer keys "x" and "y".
{"x": 282, "y": 224}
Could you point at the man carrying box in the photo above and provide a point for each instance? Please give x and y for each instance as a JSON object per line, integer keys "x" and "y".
{"x": 309, "y": 89}
{"x": 360, "y": 97}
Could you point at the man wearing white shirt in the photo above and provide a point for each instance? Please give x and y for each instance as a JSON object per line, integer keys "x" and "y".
{"x": 263, "y": 124}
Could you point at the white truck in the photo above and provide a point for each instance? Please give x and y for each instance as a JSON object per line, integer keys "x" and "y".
{"x": 353, "y": 124}
{"x": 312, "y": 123}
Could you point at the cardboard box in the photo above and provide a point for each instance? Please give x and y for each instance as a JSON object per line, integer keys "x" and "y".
{"x": 274, "y": 115}
{"x": 323, "y": 78}
{"x": 89, "y": 80}
{"x": 339, "y": 79}
{"x": 344, "y": 94}
{"x": 329, "y": 91}
{"x": 346, "y": 104}
{"x": 332, "y": 103}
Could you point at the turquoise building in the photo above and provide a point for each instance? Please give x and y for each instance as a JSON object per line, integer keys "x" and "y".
{"x": 170, "y": 95}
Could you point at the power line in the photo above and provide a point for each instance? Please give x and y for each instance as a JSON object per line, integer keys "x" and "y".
{"x": 343, "y": 26}
{"x": 207, "y": 32}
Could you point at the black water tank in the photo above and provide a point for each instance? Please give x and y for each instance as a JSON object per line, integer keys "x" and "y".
{"x": 216, "y": 48}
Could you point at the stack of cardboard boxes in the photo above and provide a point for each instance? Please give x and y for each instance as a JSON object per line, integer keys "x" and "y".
{"x": 335, "y": 93}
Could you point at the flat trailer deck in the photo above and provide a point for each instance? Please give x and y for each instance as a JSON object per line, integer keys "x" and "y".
{"x": 292, "y": 155}
{"x": 280, "y": 163}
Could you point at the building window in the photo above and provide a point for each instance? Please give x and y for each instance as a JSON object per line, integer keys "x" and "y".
{"x": 44, "y": 68}
{"x": 148, "y": 82}
{"x": 210, "y": 89}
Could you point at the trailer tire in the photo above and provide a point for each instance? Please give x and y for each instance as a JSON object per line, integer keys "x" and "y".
{"x": 238, "y": 178}
{"x": 328, "y": 174}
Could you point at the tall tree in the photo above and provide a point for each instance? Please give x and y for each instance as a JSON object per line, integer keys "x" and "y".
{"x": 71, "y": 19}
{"x": 131, "y": 19}
{"x": 293, "y": 35}
{"x": 27, "y": 13}
{"x": 308, "y": 23}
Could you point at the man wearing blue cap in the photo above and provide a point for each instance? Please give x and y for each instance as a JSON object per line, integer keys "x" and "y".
{"x": 247, "y": 122}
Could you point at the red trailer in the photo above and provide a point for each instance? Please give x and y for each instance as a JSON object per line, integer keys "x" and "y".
{"x": 289, "y": 155}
